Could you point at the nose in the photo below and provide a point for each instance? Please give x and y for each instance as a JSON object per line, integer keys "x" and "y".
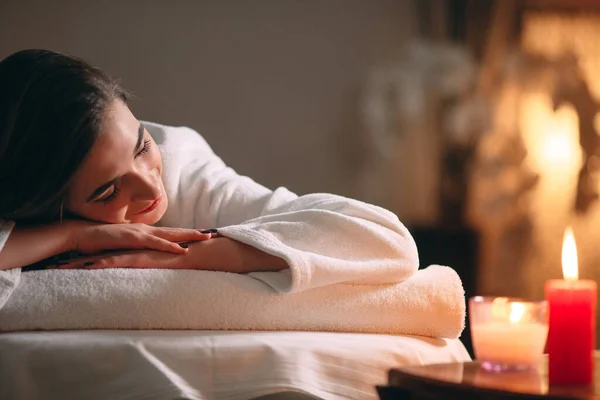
{"x": 146, "y": 186}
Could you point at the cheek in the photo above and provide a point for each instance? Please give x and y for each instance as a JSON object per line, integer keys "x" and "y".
{"x": 110, "y": 213}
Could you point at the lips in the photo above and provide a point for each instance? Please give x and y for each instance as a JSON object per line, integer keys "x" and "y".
{"x": 152, "y": 206}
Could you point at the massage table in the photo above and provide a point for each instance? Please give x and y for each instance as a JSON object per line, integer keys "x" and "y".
{"x": 170, "y": 364}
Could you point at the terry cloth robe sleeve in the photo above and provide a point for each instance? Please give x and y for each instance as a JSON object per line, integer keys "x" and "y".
{"x": 9, "y": 279}
{"x": 324, "y": 238}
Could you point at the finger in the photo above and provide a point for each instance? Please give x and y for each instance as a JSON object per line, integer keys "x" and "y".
{"x": 132, "y": 259}
{"x": 77, "y": 264}
{"x": 157, "y": 243}
{"x": 181, "y": 235}
{"x": 101, "y": 263}
{"x": 145, "y": 240}
{"x": 213, "y": 232}
{"x": 107, "y": 260}
{"x": 116, "y": 261}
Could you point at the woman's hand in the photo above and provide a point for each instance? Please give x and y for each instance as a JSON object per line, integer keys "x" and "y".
{"x": 88, "y": 237}
{"x": 218, "y": 254}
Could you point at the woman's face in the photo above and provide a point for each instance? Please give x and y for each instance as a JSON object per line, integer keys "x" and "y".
{"x": 120, "y": 180}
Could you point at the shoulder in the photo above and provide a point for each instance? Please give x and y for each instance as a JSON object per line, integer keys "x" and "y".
{"x": 177, "y": 139}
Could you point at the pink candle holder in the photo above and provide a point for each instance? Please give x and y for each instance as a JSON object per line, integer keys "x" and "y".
{"x": 508, "y": 334}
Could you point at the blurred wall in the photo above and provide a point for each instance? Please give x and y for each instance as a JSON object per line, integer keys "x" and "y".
{"x": 271, "y": 84}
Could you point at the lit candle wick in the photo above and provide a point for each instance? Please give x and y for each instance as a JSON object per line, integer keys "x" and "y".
{"x": 569, "y": 256}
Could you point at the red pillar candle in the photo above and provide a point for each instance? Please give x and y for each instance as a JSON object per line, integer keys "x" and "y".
{"x": 572, "y": 324}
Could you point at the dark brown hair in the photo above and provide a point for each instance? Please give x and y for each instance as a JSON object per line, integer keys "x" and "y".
{"x": 51, "y": 111}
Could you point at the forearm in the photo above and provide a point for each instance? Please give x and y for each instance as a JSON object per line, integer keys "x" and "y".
{"x": 29, "y": 244}
{"x": 255, "y": 260}
{"x": 227, "y": 255}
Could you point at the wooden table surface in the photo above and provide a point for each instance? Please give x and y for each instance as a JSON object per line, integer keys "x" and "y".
{"x": 470, "y": 381}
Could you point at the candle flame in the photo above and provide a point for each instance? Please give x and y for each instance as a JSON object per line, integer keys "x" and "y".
{"x": 516, "y": 312}
{"x": 569, "y": 256}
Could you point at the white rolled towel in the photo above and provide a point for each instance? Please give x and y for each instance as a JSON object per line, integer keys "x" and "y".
{"x": 429, "y": 303}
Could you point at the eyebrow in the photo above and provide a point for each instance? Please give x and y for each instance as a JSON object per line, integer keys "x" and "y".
{"x": 102, "y": 188}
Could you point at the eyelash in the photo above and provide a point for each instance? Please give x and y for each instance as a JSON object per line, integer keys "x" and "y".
{"x": 144, "y": 149}
{"x": 111, "y": 196}
{"x": 116, "y": 190}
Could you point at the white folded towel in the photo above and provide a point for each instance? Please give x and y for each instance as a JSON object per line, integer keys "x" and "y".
{"x": 430, "y": 303}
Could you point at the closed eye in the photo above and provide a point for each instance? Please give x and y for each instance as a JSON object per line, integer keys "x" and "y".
{"x": 113, "y": 195}
{"x": 145, "y": 149}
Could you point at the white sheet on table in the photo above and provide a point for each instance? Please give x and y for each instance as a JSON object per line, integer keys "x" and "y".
{"x": 207, "y": 365}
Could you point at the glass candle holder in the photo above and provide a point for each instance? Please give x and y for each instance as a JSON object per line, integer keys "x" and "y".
{"x": 508, "y": 334}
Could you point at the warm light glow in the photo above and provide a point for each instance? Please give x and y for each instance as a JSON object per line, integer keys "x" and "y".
{"x": 551, "y": 137}
{"x": 503, "y": 308}
{"x": 516, "y": 312}
{"x": 558, "y": 147}
{"x": 499, "y": 308}
{"x": 569, "y": 256}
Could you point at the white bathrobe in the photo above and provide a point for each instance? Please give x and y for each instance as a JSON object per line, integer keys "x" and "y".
{"x": 325, "y": 239}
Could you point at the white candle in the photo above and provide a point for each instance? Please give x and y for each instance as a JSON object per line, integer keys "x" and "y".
{"x": 508, "y": 334}
{"x": 509, "y": 343}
